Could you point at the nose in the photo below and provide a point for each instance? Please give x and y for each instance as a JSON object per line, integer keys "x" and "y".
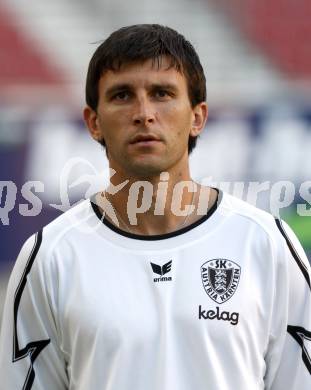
{"x": 144, "y": 113}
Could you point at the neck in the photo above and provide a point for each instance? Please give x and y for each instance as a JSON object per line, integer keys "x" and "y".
{"x": 154, "y": 205}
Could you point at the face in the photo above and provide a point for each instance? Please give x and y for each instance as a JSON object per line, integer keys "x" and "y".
{"x": 145, "y": 117}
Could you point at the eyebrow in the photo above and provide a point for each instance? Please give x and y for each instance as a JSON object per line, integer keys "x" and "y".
{"x": 125, "y": 86}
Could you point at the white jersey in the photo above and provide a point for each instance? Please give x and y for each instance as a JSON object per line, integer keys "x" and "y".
{"x": 223, "y": 304}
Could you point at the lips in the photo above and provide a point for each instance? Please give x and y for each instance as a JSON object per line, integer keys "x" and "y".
{"x": 144, "y": 138}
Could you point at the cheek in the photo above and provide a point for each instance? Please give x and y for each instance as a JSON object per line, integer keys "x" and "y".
{"x": 178, "y": 114}
{"x": 111, "y": 122}
{"x": 180, "y": 122}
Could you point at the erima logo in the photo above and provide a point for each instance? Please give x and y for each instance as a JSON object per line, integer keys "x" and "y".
{"x": 162, "y": 270}
{"x": 220, "y": 279}
{"x": 220, "y": 316}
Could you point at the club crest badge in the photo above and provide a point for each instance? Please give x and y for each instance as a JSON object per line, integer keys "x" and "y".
{"x": 220, "y": 279}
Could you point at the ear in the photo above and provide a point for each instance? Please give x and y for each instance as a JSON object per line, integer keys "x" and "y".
{"x": 91, "y": 121}
{"x": 200, "y": 114}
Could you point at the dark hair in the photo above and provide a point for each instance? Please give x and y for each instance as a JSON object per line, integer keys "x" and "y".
{"x": 141, "y": 42}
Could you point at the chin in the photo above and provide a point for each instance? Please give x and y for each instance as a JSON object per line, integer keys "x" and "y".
{"x": 146, "y": 168}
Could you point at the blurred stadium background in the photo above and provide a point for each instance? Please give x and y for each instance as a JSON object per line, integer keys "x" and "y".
{"x": 257, "y": 59}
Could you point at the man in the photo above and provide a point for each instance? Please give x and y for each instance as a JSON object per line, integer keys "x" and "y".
{"x": 194, "y": 290}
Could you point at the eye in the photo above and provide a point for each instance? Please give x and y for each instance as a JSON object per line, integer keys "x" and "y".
{"x": 162, "y": 93}
{"x": 121, "y": 96}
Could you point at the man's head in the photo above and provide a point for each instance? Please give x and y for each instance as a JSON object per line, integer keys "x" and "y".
{"x": 139, "y": 43}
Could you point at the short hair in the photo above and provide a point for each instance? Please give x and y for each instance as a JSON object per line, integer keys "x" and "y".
{"x": 142, "y": 42}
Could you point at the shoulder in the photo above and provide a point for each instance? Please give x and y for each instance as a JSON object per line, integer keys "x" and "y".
{"x": 243, "y": 213}
{"x": 69, "y": 225}
{"x": 59, "y": 238}
{"x": 267, "y": 229}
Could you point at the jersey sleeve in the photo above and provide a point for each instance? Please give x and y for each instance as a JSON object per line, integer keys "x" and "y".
{"x": 30, "y": 357}
{"x": 288, "y": 358}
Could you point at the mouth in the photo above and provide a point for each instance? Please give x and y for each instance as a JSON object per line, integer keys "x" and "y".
{"x": 145, "y": 140}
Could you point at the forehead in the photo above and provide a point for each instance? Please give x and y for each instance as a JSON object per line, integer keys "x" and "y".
{"x": 144, "y": 73}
